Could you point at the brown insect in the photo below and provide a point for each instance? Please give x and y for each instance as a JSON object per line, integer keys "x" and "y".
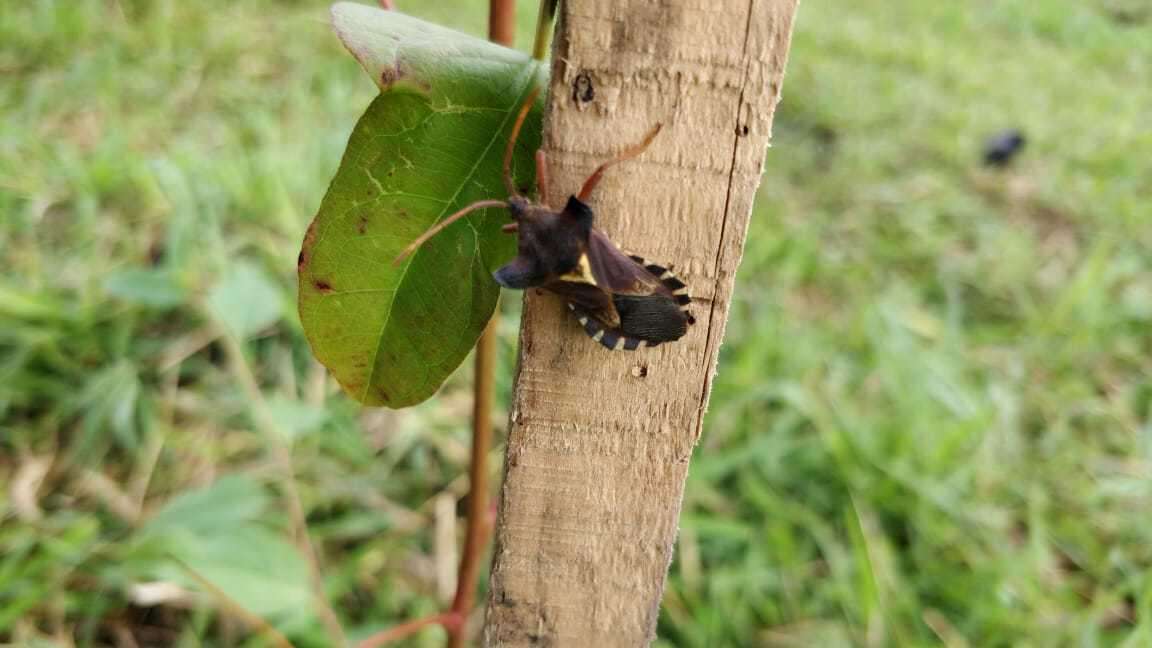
{"x": 621, "y": 300}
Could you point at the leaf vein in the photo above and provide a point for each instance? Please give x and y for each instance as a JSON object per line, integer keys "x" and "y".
{"x": 464, "y": 182}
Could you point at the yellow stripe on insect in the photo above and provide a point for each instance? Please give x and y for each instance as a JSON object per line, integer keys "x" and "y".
{"x": 582, "y": 273}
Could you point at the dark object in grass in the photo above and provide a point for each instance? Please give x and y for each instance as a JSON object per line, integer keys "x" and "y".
{"x": 621, "y": 301}
{"x": 1129, "y": 16}
{"x": 1001, "y": 148}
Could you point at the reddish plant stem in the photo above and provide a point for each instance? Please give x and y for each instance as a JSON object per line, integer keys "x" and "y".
{"x": 502, "y": 21}
{"x": 501, "y": 29}
{"x": 478, "y": 498}
{"x": 403, "y": 630}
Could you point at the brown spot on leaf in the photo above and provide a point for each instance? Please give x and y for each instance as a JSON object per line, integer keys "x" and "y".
{"x": 383, "y": 395}
{"x": 310, "y": 234}
{"x": 306, "y": 247}
{"x": 322, "y": 286}
{"x": 390, "y": 75}
{"x": 362, "y": 225}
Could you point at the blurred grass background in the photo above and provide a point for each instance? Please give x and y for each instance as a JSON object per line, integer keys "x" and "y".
{"x": 931, "y": 421}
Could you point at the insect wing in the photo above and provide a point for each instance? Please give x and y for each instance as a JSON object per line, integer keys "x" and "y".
{"x": 616, "y": 272}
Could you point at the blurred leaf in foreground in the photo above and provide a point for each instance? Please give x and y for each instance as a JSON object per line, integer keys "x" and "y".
{"x": 245, "y": 300}
{"x": 147, "y": 287}
{"x": 230, "y": 501}
{"x": 295, "y": 418}
{"x": 217, "y": 533}
{"x": 430, "y": 143}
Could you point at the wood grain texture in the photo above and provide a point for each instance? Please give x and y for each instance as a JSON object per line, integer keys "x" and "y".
{"x": 599, "y": 441}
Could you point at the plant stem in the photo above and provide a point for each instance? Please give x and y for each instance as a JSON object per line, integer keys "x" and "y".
{"x": 254, "y": 621}
{"x": 478, "y": 525}
{"x": 543, "y": 29}
{"x": 502, "y": 21}
{"x": 502, "y": 30}
{"x": 404, "y": 630}
{"x": 282, "y": 455}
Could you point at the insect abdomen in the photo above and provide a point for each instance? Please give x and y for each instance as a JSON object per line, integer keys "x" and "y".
{"x": 652, "y": 318}
{"x": 645, "y": 320}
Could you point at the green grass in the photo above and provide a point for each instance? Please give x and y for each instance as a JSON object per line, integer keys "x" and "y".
{"x": 931, "y": 421}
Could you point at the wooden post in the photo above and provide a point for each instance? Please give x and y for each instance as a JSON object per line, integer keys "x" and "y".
{"x": 599, "y": 442}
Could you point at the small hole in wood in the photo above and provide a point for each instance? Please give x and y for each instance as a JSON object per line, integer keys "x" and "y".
{"x": 582, "y": 89}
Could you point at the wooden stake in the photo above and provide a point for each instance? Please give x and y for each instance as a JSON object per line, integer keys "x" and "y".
{"x": 599, "y": 441}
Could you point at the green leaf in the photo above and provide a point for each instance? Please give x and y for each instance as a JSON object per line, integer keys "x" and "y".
{"x": 108, "y": 402}
{"x": 295, "y": 418}
{"x": 228, "y": 502}
{"x": 147, "y": 287}
{"x": 431, "y": 143}
{"x": 18, "y": 303}
{"x": 245, "y": 300}
{"x": 217, "y": 532}
{"x": 254, "y": 566}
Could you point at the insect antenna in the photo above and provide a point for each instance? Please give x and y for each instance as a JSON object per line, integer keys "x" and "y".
{"x": 628, "y": 154}
{"x": 541, "y": 176}
{"x": 512, "y": 140}
{"x": 439, "y": 227}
